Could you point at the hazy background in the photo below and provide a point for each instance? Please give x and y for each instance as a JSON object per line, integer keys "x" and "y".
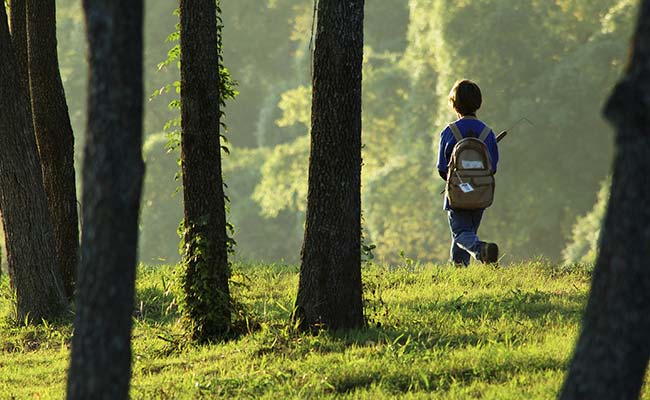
{"x": 552, "y": 61}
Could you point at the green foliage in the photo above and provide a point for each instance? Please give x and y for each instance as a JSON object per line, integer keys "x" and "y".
{"x": 284, "y": 178}
{"x": 443, "y": 332}
{"x": 585, "y": 237}
{"x": 161, "y": 207}
{"x": 269, "y": 53}
{"x": 296, "y": 107}
{"x": 243, "y": 170}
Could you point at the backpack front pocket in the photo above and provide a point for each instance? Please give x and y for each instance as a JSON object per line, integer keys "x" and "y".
{"x": 480, "y": 196}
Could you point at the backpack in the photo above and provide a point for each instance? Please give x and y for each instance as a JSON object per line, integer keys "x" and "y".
{"x": 470, "y": 180}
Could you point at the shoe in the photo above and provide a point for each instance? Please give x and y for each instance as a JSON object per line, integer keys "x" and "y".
{"x": 489, "y": 253}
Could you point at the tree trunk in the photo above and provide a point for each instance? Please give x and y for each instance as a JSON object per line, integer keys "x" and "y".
{"x": 112, "y": 182}
{"x": 53, "y": 135}
{"x": 330, "y": 291}
{"x": 612, "y": 352}
{"x": 31, "y": 254}
{"x": 18, "y": 22}
{"x": 18, "y": 29}
{"x": 206, "y": 253}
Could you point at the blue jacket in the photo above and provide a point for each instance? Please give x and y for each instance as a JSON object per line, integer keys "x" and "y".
{"x": 447, "y": 142}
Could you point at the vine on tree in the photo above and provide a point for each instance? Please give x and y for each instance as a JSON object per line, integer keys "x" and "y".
{"x": 192, "y": 307}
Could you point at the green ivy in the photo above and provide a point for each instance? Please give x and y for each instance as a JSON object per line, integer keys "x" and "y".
{"x": 367, "y": 247}
{"x": 205, "y": 311}
{"x": 202, "y": 308}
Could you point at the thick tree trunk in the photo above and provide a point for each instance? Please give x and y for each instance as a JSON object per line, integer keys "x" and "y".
{"x": 206, "y": 255}
{"x": 330, "y": 291}
{"x": 31, "y": 254}
{"x": 100, "y": 365}
{"x": 53, "y": 135}
{"x": 612, "y": 352}
{"x": 18, "y": 22}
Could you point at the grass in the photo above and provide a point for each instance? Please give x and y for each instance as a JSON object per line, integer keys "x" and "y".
{"x": 434, "y": 332}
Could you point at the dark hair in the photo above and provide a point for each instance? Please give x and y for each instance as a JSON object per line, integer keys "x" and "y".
{"x": 465, "y": 97}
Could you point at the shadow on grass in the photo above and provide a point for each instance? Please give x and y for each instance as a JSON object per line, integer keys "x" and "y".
{"x": 527, "y": 310}
{"x": 405, "y": 381}
{"x": 524, "y": 305}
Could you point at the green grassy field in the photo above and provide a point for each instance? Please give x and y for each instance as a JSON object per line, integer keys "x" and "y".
{"x": 434, "y": 332}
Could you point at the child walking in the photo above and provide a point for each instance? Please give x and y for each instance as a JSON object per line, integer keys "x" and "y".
{"x": 465, "y": 98}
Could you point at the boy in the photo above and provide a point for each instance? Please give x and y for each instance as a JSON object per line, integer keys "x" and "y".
{"x": 465, "y": 98}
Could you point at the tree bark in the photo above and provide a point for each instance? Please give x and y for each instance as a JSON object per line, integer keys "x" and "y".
{"x": 206, "y": 252}
{"x": 612, "y": 352}
{"x": 113, "y": 169}
{"x": 18, "y": 29}
{"x": 330, "y": 291}
{"x": 31, "y": 254}
{"x": 18, "y": 22}
{"x": 53, "y": 135}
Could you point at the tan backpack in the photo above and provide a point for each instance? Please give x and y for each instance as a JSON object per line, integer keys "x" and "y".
{"x": 470, "y": 180}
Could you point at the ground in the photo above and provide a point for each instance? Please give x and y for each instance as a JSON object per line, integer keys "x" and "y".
{"x": 433, "y": 332}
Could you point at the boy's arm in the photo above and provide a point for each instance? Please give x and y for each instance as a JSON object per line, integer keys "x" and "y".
{"x": 493, "y": 148}
{"x": 442, "y": 156}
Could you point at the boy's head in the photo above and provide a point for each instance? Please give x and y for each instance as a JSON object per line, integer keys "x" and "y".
{"x": 465, "y": 97}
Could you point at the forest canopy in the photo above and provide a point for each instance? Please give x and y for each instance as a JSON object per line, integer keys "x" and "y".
{"x": 552, "y": 62}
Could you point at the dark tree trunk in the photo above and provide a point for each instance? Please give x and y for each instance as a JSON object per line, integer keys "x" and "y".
{"x": 18, "y": 22}
{"x": 53, "y": 135}
{"x": 31, "y": 254}
{"x": 330, "y": 292}
{"x": 612, "y": 352}
{"x": 18, "y": 29}
{"x": 206, "y": 255}
{"x": 100, "y": 365}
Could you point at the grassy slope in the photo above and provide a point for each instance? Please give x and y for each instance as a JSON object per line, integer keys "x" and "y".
{"x": 437, "y": 332}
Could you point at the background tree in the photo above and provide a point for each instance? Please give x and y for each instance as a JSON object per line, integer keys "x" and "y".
{"x": 113, "y": 170}
{"x": 53, "y": 135}
{"x": 207, "y": 271}
{"x": 31, "y": 255}
{"x": 612, "y": 352}
{"x": 330, "y": 273}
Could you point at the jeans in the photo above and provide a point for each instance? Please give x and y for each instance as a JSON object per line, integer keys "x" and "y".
{"x": 464, "y": 239}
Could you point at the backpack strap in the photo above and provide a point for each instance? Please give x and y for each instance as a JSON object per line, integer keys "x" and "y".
{"x": 456, "y": 132}
{"x": 484, "y": 133}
